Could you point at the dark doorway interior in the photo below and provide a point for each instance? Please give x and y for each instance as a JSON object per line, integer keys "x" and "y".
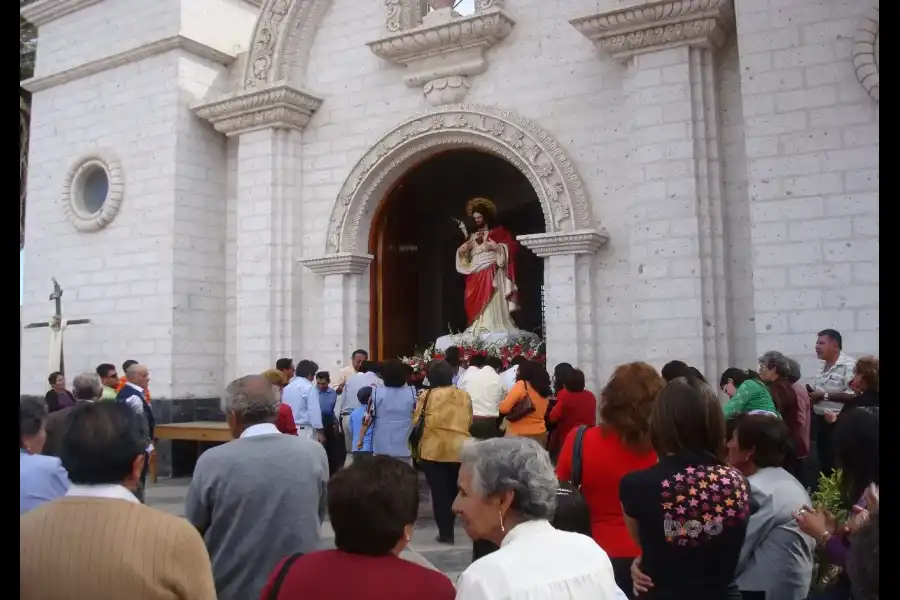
{"x": 417, "y": 295}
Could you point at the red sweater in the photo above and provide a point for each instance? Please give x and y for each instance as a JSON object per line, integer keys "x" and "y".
{"x": 605, "y": 460}
{"x": 339, "y": 575}
{"x": 571, "y": 410}
{"x": 285, "y": 421}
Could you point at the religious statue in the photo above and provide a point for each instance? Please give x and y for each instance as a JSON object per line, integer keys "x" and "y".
{"x": 488, "y": 260}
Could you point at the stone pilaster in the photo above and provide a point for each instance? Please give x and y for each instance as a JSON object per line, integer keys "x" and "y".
{"x": 568, "y": 280}
{"x": 345, "y": 301}
{"x": 676, "y": 249}
{"x": 269, "y": 122}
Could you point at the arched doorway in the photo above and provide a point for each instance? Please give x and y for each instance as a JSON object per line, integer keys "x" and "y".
{"x": 416, "y": 293}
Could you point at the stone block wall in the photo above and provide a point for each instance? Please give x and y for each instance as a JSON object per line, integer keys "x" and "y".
{"x": 811, "y": 135}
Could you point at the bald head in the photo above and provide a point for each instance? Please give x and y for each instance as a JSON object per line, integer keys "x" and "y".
{"x": 138, "y": 374}
{"x": 251, "y": 400}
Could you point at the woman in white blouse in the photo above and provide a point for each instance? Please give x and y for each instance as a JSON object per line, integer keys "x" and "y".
{"x": 507, "y": 494}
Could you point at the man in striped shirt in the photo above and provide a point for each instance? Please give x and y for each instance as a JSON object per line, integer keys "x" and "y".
{"x": 830, "y": 391}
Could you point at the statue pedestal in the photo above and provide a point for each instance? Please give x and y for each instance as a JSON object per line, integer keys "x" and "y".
{"x": 498, "y": 338}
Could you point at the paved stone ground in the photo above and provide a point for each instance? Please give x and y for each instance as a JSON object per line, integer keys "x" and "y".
{"x": 168, "y": 495}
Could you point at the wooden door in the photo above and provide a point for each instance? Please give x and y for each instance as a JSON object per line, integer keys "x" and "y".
{"x": 396, "y": 298}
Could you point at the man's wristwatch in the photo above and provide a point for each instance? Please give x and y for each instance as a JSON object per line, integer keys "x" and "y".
{"x": 823, "y": 539}
{"x": 825, "y": 397}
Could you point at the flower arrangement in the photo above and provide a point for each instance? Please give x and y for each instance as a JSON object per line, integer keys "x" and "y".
{"x": 469, "y": 346}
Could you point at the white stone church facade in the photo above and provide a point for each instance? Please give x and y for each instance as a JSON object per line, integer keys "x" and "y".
{"x": 707, "y": 171}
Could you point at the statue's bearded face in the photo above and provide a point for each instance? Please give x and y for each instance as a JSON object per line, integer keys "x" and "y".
{"x": 479, "y": 219}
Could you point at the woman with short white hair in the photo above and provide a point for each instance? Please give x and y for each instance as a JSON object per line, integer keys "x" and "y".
{"x": 507, "y": 495}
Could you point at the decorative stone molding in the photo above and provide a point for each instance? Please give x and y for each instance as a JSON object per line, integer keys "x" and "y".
{"x": 586, "y": 241}
{"x": 282, "y": 38}
{"x": 507, "y": 135}
{"x": 445, "y": 51}
{"x": 72, "y": 205}
{"x": 404, "y": 14}
{"x": 279, "y": 106}
{"x": 658, "y": 25}
{"x": 44, "y": 11}
{"x": 342, "y": 263}
{"x": 176, "y": 42}
{"x": 487, "y": 4}
{"x": 865, "y": 53}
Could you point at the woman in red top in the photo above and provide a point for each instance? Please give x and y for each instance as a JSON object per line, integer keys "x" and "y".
{"x": 613, "y": 449}
{"x": 373, "y": 506}
{"x": 284, "y": 422}
{"x": 574, "y": 406}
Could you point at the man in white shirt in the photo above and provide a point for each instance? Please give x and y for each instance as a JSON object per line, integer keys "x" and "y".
{"x": 349, "y": 400}
{"x": 831, "y": 390}
{"x": 133, "y": 395}
{"x": 509, "y": 376}
{"x": 485, "y": 387}
{"x": 356, "y": 359}
{"x": 475, "y": 364}
{"x": 299, "y": 394}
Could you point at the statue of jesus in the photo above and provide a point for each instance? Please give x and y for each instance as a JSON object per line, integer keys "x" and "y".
{"x": 488, "y": 260}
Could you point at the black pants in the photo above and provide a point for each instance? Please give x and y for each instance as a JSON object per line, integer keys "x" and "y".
{"x": 142, "y": 482}
{"x": 485, "y": 428}
{"x": 334, "y": 444}
{"x": 822, "y": 432}
{"x": 481, "y": 548}
{"x": 441, "y": 478}
{"x": 622, "y": 571}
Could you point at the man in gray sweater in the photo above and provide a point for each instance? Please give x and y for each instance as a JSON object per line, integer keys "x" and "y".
{"x": 258, "y": 498}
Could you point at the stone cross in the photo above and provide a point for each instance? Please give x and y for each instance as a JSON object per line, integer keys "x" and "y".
{"x": 56, "y": 325}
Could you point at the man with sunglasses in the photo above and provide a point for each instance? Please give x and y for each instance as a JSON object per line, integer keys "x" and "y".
{"x": 110, "y": 380}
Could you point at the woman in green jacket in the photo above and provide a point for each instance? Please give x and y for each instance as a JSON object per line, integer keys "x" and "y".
{"x": 746, "y": 392}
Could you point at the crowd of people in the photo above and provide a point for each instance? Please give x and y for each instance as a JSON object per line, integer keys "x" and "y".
{"x": 651, "y": 489}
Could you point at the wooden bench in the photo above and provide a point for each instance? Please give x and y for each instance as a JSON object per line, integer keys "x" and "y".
{"x": 192, "y": 431}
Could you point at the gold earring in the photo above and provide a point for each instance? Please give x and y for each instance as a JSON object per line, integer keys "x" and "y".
{"x": 502, "y": 528}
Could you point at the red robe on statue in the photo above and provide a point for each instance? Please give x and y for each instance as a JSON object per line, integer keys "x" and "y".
{"x": 480, "y": 284}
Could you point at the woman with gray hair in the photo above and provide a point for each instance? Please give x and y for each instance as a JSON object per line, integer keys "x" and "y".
{"x": 507, "y": 495}
{"x": 775, "y": 371}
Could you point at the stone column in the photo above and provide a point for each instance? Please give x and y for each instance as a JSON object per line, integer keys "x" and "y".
{"x": 269, "y": 122}
{"x": 568, "y": 280}
{"x": 679, "y": 298}
{"x": 345, "y": 301}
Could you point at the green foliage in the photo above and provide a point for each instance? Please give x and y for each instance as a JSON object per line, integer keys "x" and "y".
{"x": 829, "y": 496}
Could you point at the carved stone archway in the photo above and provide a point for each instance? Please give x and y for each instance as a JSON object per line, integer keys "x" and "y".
{"x": 571, "y": 234}
{"x": 502, "y": 133}
{"x": 281, "y": 42}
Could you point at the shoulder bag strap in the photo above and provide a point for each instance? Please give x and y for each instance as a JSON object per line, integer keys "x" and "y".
{"x": 425, "y": 405}
{"x": 576, "y": 456}
{"x": 282, "y": 573}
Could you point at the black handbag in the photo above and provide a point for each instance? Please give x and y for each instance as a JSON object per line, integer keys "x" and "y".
{"x": 418, "y": 428}
{"x": 522, "y": 408}
{"x": 572, "y": 512}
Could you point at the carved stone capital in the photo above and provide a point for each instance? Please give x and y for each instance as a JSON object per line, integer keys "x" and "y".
{"x": 341, "y": 263}
{"x": 658, "y": 25}
{"x": 44, "y": 11}
{"x": 584, "y": 241}
{"x": 278, "y": 106}
{"x": 444, "y": 51}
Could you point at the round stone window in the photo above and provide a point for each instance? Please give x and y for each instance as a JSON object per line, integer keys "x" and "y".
{"x": 93, "y": 192}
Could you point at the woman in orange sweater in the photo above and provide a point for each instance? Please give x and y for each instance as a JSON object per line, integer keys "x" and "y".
{"x": 533, "y": 382}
